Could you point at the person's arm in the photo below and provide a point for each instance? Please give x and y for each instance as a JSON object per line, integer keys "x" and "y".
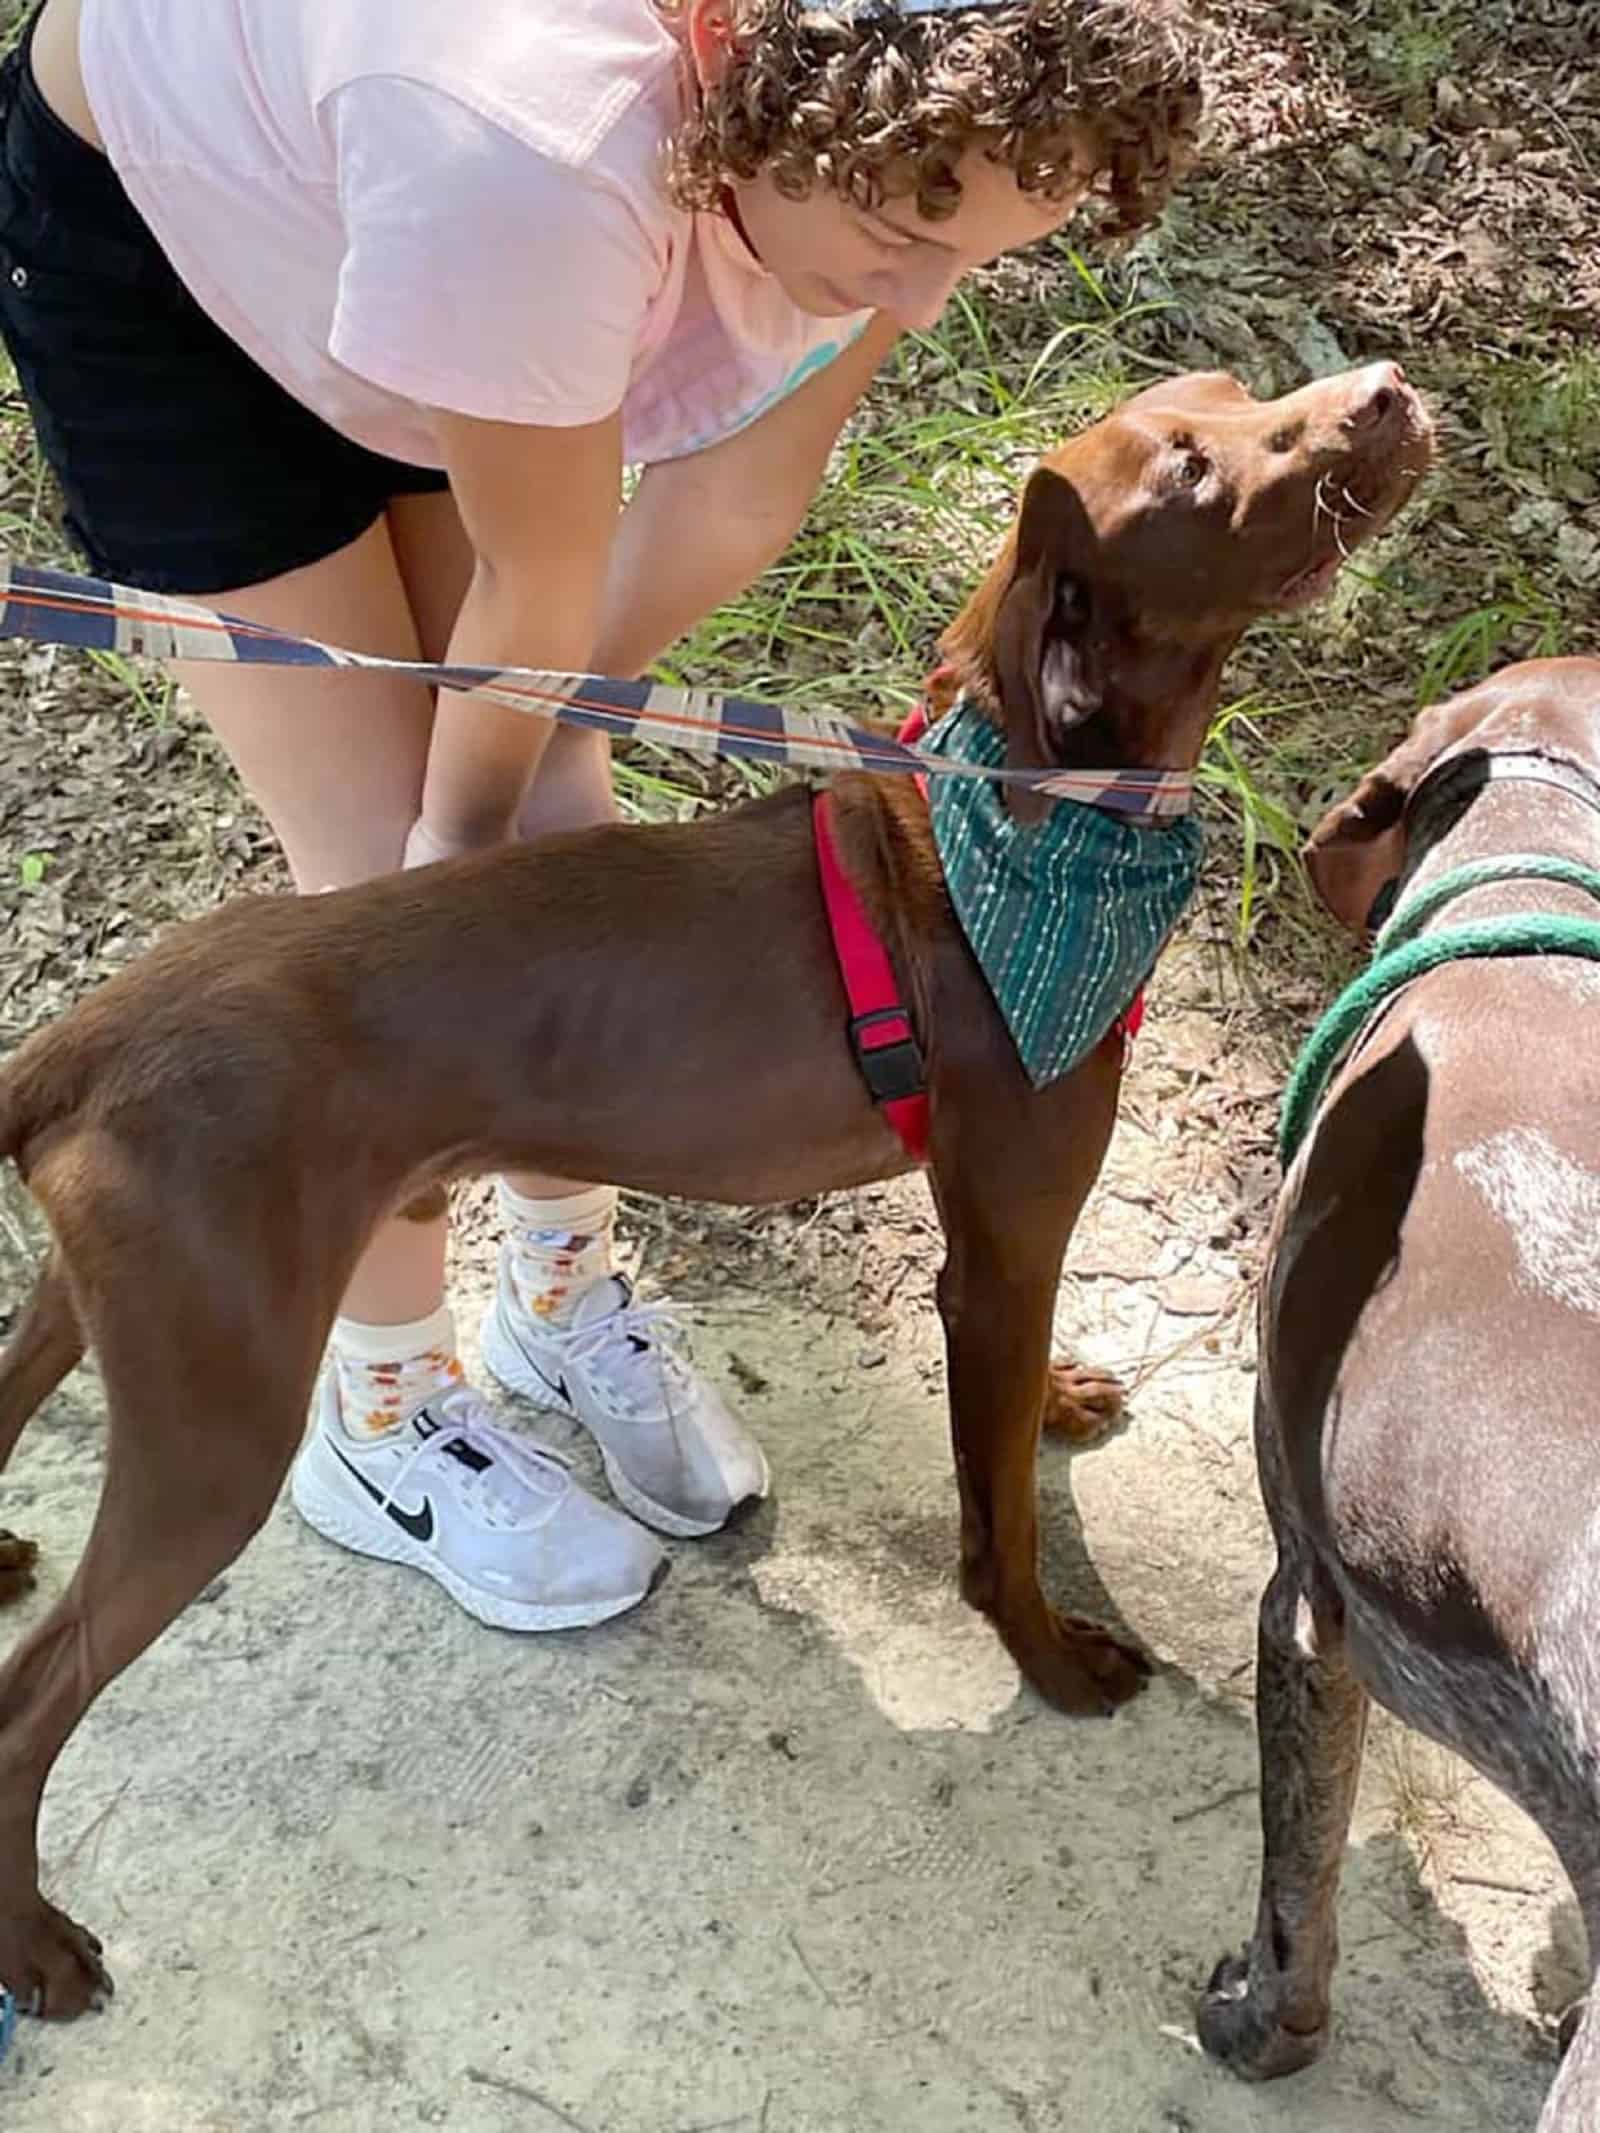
{"x": 507, "y": 293}
{"x": 540, "y": 507}
{"x": 698, "y": 530}
{"x": 572, "y": 587}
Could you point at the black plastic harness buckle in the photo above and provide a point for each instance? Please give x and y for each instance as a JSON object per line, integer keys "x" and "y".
{"x": 892, "y": 1069}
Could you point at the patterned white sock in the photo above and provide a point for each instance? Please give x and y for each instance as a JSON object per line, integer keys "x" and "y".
{"x": 558, "y": 1247}
{"x": 385, "y": 1373}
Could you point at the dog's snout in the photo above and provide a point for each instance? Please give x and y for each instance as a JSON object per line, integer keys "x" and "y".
{"x": 1379, "y": 398}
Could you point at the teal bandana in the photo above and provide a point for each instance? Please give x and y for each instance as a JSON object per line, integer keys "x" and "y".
{"x": 1066, "y": 918}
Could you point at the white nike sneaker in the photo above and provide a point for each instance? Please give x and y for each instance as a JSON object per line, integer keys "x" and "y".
{"x": 498, "y": 1521}
{"x": 673, "y": 1453}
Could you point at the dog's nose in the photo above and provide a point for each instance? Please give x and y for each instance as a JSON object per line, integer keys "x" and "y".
{"x": 1379, "y": 395}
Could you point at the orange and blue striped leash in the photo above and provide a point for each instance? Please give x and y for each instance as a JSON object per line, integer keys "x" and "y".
{"x": 94, "y": 614}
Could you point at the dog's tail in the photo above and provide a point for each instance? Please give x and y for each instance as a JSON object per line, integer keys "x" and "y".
{"x": 46, "y": 1341}
{"x": 13, "y": 1122}
{"x": 25, "y": 1096}
{"x": 46, "y": 1344}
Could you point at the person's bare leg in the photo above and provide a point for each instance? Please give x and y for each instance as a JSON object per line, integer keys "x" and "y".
{"x": 572, "y": 787}
{"x": 336, "y": 762}
{"x": 675, "y": 1457}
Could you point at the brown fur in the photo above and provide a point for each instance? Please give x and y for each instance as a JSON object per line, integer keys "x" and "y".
{"x": 17, "y": 1558}
{"x": 1424, "y": 1412}
{"x": 214, "y": 1134}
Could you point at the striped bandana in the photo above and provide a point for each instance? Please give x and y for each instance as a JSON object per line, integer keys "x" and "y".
{"x": 1066, "y": 918}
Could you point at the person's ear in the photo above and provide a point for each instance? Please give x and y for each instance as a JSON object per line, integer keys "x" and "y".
{"x": 708, "y": 39}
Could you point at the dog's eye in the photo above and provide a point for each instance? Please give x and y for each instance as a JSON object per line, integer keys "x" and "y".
{"x": 1192, "y": 468}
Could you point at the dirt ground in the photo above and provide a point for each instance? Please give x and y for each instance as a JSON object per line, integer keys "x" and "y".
{"x": 790, "y": 1850}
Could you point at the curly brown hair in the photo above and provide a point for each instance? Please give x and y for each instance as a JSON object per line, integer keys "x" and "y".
{"x": 876, "y": 103}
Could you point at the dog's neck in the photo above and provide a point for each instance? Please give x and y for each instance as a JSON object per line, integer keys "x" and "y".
{"x": 1512, "y": 810}
{"x": 1157, "y": 700}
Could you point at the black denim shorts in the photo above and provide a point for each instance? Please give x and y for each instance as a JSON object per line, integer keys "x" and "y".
{"x": 184, "y": 467}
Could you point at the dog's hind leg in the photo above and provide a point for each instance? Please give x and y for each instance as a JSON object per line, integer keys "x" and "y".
{"x": 44, "y": 1347}
{"x": 204, "y": 1412}
{"x": 1265, "y": 2012}
{"x": 1571, "y": 1818}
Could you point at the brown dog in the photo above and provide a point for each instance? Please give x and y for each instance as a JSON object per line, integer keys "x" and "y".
{"x": 214, "y": 1133}
{"x": 1430, "y": 1354}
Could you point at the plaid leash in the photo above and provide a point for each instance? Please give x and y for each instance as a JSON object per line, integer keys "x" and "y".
{"x": 93, "y": 614}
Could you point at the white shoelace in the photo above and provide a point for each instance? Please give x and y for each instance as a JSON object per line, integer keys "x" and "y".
{"x": 651, "y": 1370}
{"x": 465, "y": 1414}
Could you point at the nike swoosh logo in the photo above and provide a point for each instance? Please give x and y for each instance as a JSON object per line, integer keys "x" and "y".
{"x": 557, "y": 1385}
{"x": 419, "y": 1524}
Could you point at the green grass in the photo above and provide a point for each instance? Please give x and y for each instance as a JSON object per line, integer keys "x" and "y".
{"x": 1543, "y": 418}
{"x": 1416, "y": 46}
{"x": 1525, "y": 624}
{"x": 1240, "y": 742}
{"x": 150, "y": 691}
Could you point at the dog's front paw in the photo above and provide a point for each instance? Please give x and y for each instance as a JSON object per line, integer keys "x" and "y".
{"x": 1081, "y": 1404}
{"x": 51, "y": 1965}
{"x": 17, "y": 1558}
{"x": 1081, "y": 1667}
{"x": 1240, "y": 2031}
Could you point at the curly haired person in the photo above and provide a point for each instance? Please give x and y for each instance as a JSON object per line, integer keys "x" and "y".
{"x": 350, "y": 318}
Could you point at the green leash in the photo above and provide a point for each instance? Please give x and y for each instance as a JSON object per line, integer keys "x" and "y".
{"x": 1399, "y": 957}
{"x": 1421, "y": 904}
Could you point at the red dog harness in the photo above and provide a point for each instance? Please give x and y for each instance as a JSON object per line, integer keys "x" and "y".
{"x": 880, "y": 1032}
{"x": 880, "y": 1028}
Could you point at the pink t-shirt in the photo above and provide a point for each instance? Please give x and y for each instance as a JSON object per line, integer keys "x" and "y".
{"x": 395, "y": 205}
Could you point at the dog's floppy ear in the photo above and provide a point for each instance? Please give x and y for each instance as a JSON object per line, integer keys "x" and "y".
{"x": 1360, "y": 845}
{"x": 1044, "y": 669}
